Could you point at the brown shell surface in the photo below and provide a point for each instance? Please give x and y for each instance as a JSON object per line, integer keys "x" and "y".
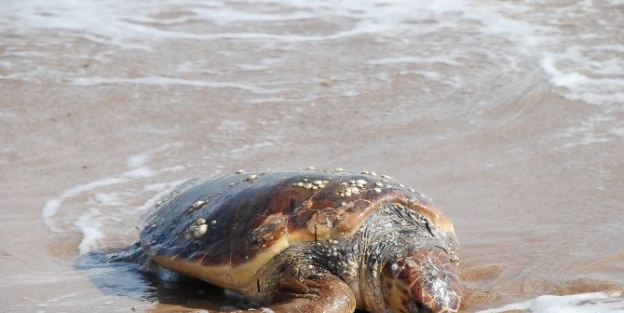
{"x": 225, "y": 229}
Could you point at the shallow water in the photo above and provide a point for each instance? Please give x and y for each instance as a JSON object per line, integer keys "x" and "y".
{"x": 508, "y": 114}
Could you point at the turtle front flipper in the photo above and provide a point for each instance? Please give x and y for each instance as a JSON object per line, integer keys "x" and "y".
{"x": 327, "y": 294}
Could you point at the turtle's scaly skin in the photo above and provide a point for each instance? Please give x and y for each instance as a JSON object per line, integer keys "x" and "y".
{"x": 282, "y": 238}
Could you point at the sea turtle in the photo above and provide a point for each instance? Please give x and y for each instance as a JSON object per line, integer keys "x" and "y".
{"x": 308, "y": 241}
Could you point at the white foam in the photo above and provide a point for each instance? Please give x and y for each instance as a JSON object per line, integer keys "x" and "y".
{"x": 558, "y": 78}
{"x": 90, "y": 225}
{"x": 93, "y": 221}
{"x": 597, "y": 302}
{"x": 51, "y": 207}
{"x": 165, "y": 81}
{"x": 592, "y": 129}
{"x": 456, "y": 45}
{"x": 119, "y": 20}
{"x": 442, "y": 59}
{"x": 58, "y": 299}
{"x": 572, "y": 68}
{"x": 107, "y": 207}
{"x": 137, "y": 160}
{"x": 161, "y": 189}
{"x": 265, "y": 100}
{"x": 138, "y": 173}
{"x": 253, "y": 146}
{"x": 617, "y": 131}
{"x": 107, "y": 199}
{"x": 232, "y": 126}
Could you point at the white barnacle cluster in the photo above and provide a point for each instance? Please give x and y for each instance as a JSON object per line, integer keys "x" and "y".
{"x": 410, "y": 201}
{"x": 251, "y": 178}
{"x": 198, "y": 204}
{"x": 378, "y": 186}
{"x": 313, "y": 185}
{"x": 385, "y": 182}
{"x": 198, "y": 229}
{"x": 352, "y": 187}
{"x": 323, "y": 170}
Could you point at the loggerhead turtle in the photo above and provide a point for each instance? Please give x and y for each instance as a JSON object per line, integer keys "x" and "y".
{"x": 308, "y": 241}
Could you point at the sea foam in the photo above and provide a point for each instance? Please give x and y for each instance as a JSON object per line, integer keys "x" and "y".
{"x": 595, "y": 302}
{"x": 107, "y": 206}
{"x": 584, "y": 66}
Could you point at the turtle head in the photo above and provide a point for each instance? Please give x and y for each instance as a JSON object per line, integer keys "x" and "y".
{"x": 423, "y": 280}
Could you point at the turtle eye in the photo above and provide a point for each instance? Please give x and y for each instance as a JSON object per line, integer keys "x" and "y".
{"x": 428, "y": 225}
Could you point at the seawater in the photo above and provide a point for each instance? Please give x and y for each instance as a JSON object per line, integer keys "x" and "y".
{"x": 458, "y": 58}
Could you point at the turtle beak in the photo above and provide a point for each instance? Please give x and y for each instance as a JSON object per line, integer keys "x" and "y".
{"x": 428, "y": 281}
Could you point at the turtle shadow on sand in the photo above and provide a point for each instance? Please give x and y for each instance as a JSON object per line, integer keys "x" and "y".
{"x": 136, "y": 282}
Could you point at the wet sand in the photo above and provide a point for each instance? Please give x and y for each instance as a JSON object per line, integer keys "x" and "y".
{"x": 532, "y": 219}
{"x": 91, "y": 134}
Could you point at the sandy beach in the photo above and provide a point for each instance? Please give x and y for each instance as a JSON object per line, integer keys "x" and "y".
{"x": 512, "y": 124}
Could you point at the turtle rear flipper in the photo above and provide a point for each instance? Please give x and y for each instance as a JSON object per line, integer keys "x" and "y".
{"x": 130, "y": 254}
{"x": 135, "y": 254}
